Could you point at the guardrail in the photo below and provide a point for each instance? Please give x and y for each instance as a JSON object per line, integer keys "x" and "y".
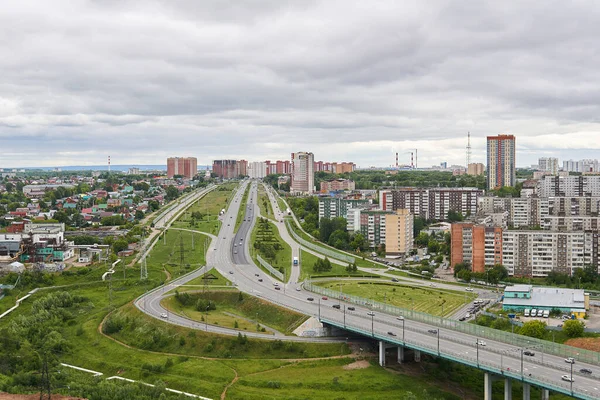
{"x": 483, "y": 332}
{"x": 319, "y": 249}
{"x": 270, "y": 268}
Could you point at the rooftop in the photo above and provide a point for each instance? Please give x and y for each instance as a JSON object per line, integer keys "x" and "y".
{"x": 518, "y": 288}
{"x": 550, "y": 297}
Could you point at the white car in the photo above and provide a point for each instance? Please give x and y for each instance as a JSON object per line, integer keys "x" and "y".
{"x": 482, "y": 343}
{"x": 570, "y": 360}
{"x": 298, "y": 289}
{"x": 567, "y": 378}
{"x": 370, "y": 313}
{"x": 400, "y": 318}
{"x": 469, "y": 289}
{"x": 164, "y": 315}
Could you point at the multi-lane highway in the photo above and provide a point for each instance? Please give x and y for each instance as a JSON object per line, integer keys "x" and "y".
{"x": 541, "y": 369}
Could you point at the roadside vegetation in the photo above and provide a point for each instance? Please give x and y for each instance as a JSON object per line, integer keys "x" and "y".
{"x": 242, "y": 209}
{"x": 309, "y": 261}
{"x": 264, "y": 203}
{"x": 424, "y": 299}
{"x": 234, "y": 309}
{"x": 266, "y": 242}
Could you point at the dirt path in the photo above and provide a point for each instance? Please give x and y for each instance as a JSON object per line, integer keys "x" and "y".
{"x": 224, "y": 394}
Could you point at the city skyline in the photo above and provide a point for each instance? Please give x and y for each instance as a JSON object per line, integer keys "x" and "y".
{"x": 141, "y": 82}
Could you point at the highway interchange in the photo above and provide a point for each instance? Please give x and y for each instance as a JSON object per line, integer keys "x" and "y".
{"x": 233, "y": 261}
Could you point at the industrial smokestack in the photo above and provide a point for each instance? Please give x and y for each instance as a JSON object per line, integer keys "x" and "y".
{"x": 396, "y": 160}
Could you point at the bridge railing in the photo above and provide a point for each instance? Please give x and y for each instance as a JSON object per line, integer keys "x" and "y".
{"x": 270, "y": 268}
{"x": 483, "y": 332}
{"x": 319, "y": 249}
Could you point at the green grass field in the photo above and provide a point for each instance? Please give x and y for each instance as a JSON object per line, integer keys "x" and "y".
{"x": 308, "y": 260}
{"x": 264, "y": 203}
{"x": 168, "y": 256}
{"x": 424, "y": 299}
{"x": 247, "y": 311}
{"x": 283, "y": 257}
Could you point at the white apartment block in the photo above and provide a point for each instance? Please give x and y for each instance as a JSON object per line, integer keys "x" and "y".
{"x": 548, "y": 164}
{"x": 257, "y": 170}
{"x": 569, "y": 186}
{"x": 536, "y": 253}
{"x": 581, "y": 166}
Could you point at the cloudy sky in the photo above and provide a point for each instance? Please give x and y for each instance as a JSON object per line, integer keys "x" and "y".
{"x": 357, "y": 81}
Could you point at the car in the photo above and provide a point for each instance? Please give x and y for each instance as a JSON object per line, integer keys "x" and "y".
{"x": 395, "y": 280}
{"x": 400, "y": 318}
{"x": 567, "y": 378}
{"x": 235, "y": 252}
{"x": 324, "y": 298}
{"x": 468, "y": 315}
{"x": 371, "y": 313}
{"x": 231, "y": 272}
{"x": 469, "y": 289}
{"x": 298, "y": 289}
{"x": 310, "y": 299}
{"x": 256, "y": 275}
{"x": 228, "y": 224}
{"x": 528, "y": 353}
{"x": 241, "y": 240}
{"x": 275, "y": 283}
{"x": 481, "y": 343}
{"x": 391, "y": 333}
{"x": 559, "y": 325}
{"x": 235, "y": 244}
{"x": 277, "y": 288}
{"x": 433, "y": 331}
{"x": 432, "y": 285}
{"x": 164, "y": 315}
{"x": 585, "y": 371}
{"x": 336, "y": 306}
{"x": 570, "y": 360}
{"x": 260, "y": 280}
{"x": 462, "y": 318}
{"x": 351, "y": 308}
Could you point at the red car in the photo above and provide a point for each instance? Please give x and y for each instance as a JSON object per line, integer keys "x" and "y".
{"x": 324, "y": 297}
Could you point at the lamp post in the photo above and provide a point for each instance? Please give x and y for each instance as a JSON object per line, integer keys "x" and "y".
{"x": 319, "y": 308}
{"x": 522, "y": 372}
{"x": 344, "y": 315}
{"x": 438, "y": 337}
{"x": 206, "y": 319}
{"x": 571, "y": 378}
{"x": 403, "y": 341}
{"x": 372, "y": 324}
{"x": 477, "y": 347}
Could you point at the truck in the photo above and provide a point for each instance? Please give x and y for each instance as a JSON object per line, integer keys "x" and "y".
{"x": 295, "y": 260}
{"x": 546, "y": 313}
{"x": 288, "y": 211}
{"x": 526, "y": 313}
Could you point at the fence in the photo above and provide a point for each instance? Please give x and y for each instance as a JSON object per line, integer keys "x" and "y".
{"x": 471, "y": 329}
{"x": 319, "y": 249}
{"x": 269, "y": 268}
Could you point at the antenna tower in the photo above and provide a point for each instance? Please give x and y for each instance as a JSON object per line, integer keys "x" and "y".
{"x": 468, "y": 149}
{"x": 109, "y": 164}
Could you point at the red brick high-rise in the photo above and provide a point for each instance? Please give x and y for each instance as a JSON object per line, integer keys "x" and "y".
{"x": 185, "y": 166}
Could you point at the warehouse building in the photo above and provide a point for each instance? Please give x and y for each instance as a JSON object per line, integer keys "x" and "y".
{"x": 569, "y": 301}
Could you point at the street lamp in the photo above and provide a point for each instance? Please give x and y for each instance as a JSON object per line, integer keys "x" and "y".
{"x": 477, "y": 347}
{"x": 372, "y": 324}
{"x": 344, "y": 315}
{"x": 571, "y": 378}
{"x": 319, "y": 309}
{"x": 206, "y": 319}
{"x": 522, "y": 372}
{"x": 438, "y": 337}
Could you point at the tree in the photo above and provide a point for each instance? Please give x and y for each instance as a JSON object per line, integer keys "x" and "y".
{"x": 418, "y": 224}
{"x": 119, "y": 245}
{"x": 422, "y": 239}
{"x": 359, "y": 242}
{"x": 339, "y": 239}
{"x": 573, "y": 328}
{"x": 9, "y": 187}
{"x": 61, "y": 216}
{"x": 454, "y": 216}
{"x": 139, "y": 214}
{"x": 351, "y": 267}
{"x": 172, "y": 193}
{"x": 535, "y": 329}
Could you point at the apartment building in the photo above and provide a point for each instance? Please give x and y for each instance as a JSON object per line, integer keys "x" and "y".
{"x": 501, "y": 161}
{"x": 583, "y": 166}
{"x": 475, "y": 169}
{"x": 185, "y": 166}
{"x": 230, "y": 169}
{"x": 399, "y": 232}
{"x": 336, "y": 185}
{"x": 432, "y": 203}
{"x": 478, "y": 245}
{"x": 570, "y": 223}
{"x": 569, "y": 186}
{"x": 302, "y": 173}
{"x": 334, "y": 207}
{"x": 372, "y": 226}
{"x": 549, "y": 165}
{"x": 258, "y": 169}
{"x": 522, "y": 212}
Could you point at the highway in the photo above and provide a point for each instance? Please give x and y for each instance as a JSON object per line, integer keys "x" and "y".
{"x": 505, "y": 359}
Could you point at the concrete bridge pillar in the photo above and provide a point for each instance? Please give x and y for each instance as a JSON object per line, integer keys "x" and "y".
{"x": 487, "y": 386}
{"x": 526, "y": 391}
{"x": 417, "y": 355}
{"x": 382, "y": 353}
{"x": 507, "y": 389}
{"x": 545, "y": 394}
{"x": 400, "y": 354}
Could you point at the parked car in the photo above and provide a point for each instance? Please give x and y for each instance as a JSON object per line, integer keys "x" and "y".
{"x": 570, "y": 360}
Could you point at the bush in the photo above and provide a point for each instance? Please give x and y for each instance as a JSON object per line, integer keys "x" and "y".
{"x": 573, "y": 328}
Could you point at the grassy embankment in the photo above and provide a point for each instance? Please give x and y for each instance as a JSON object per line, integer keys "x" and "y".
{"x": 242, "y": 210}
{"x": 266, "y": 242}
{"x": 264, "y": 203}
{"x": 307, "y": 261}
{"x": 428, "y": 300}
{"x": 236, "y": 310}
